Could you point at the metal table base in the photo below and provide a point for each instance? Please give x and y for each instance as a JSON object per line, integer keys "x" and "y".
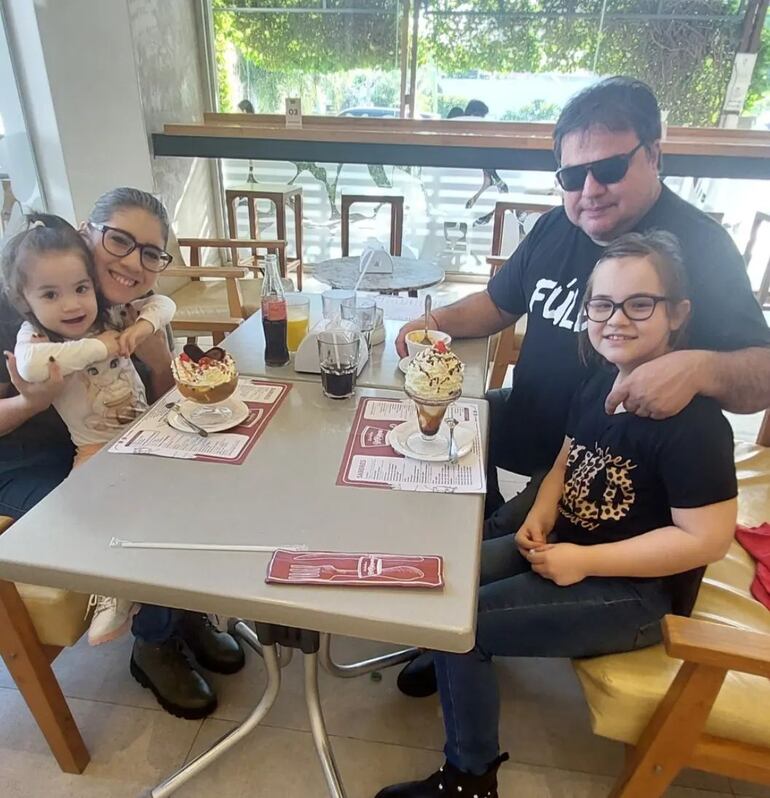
{"x": 267, "y": 641}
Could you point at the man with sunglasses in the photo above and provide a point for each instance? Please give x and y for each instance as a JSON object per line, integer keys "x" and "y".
{"x": 607, "y": 143}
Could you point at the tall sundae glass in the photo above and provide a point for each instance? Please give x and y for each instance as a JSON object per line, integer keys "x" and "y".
{"x": 208, "y": 380}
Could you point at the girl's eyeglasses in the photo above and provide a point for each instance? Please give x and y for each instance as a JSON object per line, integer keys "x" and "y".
{"x": 606, "y": 171}
{"x": 120, "y": 243}
{"x": 636, "y": 308}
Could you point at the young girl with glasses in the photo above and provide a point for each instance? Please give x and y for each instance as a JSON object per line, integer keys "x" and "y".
{"x": 49, "y": 277}
{"x": 621, "y": 530}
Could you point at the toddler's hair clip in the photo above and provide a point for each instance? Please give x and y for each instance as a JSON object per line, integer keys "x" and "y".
{"x": 36, "y": 223}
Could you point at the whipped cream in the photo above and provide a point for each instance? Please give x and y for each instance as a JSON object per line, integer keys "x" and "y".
{"x": 435, "y": 373}
{"x": 206, "y": 373}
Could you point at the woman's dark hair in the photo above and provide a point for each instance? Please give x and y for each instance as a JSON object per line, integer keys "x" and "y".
{"x": 45, "y": 233}
{"x": 476, "y": 108}
{"x": 618, "y": 104}
{"x": 122, "y": 198}
{"x": 662, "y": 250}
{"x": 455, "y": 112}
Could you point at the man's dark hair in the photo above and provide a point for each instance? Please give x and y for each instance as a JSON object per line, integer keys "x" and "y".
{"x": 455, "y": 112}
{"x": 476, "y": 108}
{"x": 246, "y": 106}
{"x": 618, "y": 104}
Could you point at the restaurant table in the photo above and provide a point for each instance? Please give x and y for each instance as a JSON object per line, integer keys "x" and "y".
{"x": 247, "y": 346}
{"x": 284, "y": 493}
{"x": 408, "y": 274}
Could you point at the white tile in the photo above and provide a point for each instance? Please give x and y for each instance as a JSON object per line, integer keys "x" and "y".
{"x": 131, "y": 750}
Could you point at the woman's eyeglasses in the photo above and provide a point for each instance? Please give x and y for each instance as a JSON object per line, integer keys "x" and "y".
{"x": 636, "y": 308}
{"x": 120, "y": 243}
{"x": 606, "y": 171}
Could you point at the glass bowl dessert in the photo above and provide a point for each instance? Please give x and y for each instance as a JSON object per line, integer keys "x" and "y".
{"x": 434, "y": 379}
{"x": 208, "y": 379}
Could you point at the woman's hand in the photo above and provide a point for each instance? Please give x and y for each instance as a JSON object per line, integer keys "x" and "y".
{"x": 562, "y": 563}
{"x": 110, "y": 338}
{"x": 531, "y": 535}
{"x": 38, "y": 396}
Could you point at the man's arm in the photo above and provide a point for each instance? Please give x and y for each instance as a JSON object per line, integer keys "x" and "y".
{"x": 474, "y": 316}
{"x": 739, "y": 381}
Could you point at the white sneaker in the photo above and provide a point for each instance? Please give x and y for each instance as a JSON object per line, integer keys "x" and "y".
{"x": 111, "y": 618}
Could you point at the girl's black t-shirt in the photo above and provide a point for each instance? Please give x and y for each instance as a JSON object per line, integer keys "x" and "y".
{"x": 625, "y": 473}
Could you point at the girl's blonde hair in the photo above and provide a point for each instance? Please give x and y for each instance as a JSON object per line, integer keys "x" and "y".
{"x": 45, "y": 233}
{"x": 662, "y": 250}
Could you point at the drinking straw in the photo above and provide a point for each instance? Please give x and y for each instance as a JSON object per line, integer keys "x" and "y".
{"x": 130, "y": 544}
{"x": 336, "y": 350}
{"x": 363, "y": 270}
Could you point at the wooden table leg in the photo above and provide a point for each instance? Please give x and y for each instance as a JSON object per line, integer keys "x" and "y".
{"x": 28, "y": 664}
{"x": 253, "y": 224}
{"x": 280, "y": 228}
{"x": 298, "y": 236}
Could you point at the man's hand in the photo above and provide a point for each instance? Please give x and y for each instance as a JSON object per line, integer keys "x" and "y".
{"x": 531, "y": 535}
{"x": 562, "y": 563}
{"x": 110, "y": 338}
{"x": 660, "y": 388}
{"x": 37, "y": 395}
{"x": 415, "y": 324}
{"x": 132, "y": 337}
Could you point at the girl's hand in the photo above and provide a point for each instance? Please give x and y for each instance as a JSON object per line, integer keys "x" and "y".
{"x": 132, "y": 336}
{"x": 562, "y": 563}
{"x": 110, "y": 339}
{"x": 531, "y": 535}
{"x": 38, "y": 395}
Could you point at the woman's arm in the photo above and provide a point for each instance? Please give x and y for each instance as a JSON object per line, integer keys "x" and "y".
{"x": 699, "y": 536}
{"x": 155, "y": 354}
{"x": 32, "y": 398}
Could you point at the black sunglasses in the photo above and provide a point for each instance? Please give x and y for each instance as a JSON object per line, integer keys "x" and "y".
{"x": 120, "y": 243}
{"x": 606, "y": 171}
{"x": 639, "y": 307}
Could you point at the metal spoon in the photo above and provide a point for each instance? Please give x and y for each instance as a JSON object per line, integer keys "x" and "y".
{"x": 426, "y": 338}
{"x": 452, "y": 423}
{"x": 175, "y": 406}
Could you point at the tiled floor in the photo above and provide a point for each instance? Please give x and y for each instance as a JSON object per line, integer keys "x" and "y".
{"x": 379, "y": 736}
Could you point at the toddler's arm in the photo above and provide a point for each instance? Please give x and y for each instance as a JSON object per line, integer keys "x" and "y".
{"x": 34, "y": 353}
{"x": 155, "y": 312}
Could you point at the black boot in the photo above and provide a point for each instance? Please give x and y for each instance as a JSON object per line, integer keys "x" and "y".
{"x": 166, "y": 669}
{"x": 215, "y": 650}
{"x": 449, "y": 781}
{"x": 418, "y": 677}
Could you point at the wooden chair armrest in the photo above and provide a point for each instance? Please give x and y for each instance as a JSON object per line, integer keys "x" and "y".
{"x": 717, "y": 645}
{"x": 220, "y": 272}
{"x": 207, "y": 325}
{"x": 226, "y": 243}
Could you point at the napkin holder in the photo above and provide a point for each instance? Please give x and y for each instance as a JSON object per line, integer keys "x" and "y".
{"x": 306, "y": 358}
{"x": 375, "y": 259}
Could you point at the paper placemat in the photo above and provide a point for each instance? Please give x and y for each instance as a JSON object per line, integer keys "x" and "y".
{"x": 152, "y": 434}
{"x": 370, "y": 462}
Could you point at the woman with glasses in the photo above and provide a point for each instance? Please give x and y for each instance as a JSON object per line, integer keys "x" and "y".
{"x": 622, "y": 526}
{"x": 126, "y": 233}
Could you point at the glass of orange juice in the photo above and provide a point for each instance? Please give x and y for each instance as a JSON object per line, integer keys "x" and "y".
{"x": 298, "y": 320}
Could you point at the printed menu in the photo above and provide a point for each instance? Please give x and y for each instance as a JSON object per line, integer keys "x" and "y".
{"x": 153, "y": 435}
{"x": 369, "y": 460}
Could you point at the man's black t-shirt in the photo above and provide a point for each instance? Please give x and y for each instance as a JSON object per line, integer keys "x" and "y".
{"x": 545, "y": 278}
{"x": 625, "y": 473}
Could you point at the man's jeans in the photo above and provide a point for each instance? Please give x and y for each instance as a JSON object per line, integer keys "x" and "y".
{"x": 524, "y": 615}
{"x": 155, "y": 624}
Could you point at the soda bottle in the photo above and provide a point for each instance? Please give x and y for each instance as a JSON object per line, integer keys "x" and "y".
{"x": 274, "y": 315}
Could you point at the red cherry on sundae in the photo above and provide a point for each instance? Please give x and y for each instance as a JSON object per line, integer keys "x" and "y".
{"x": 440, "y": 347}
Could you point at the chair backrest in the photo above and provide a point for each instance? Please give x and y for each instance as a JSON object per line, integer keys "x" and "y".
{"x": 396, "y": 203}
{"x": 763, "y": 292}
{"x": 509, "y": 231}
{"x": 763, "y": 436}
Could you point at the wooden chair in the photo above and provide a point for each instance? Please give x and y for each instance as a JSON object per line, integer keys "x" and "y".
{"x": 213, "y": 300}
{"x": 36, "y": 623}
{"x": 763, "y": 293}
{"x": 506, "y": 352}
{"x": 396, "y": 218}
{"x": 281, "y": 197}
{"x": 700, "y": 699}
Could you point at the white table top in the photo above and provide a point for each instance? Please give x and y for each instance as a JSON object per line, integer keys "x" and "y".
{"x": 285, "y": 492}
{"x": 247, "y": 346}
{"x": 408, "y": 274}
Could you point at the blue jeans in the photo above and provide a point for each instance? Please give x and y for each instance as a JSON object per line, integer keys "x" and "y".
{"x": 28, "y": 474}
{"x": 522, "y": 614}
{"x": 155, "y": 624}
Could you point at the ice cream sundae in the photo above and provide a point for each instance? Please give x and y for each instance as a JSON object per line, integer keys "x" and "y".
{"x": 205, "y": 377}
{"x": 434, "y": 379}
